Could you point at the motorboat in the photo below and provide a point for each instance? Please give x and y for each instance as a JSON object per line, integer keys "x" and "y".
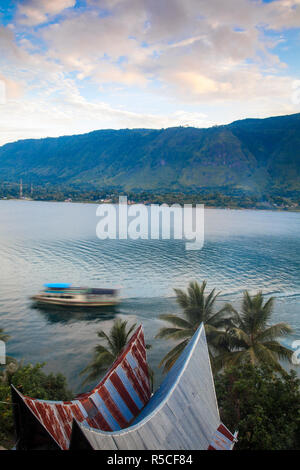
{"x": 66, "y": 294}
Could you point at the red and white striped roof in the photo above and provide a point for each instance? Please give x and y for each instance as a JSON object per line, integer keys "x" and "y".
{"x": 223, "y": 439}
{"x": 110, "y": 406}
{"x": 182, "y": 414}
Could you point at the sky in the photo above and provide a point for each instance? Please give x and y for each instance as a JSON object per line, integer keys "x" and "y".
{"x": 73, "y": 66}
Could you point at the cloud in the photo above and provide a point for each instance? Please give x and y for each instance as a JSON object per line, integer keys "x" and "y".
{"x": 282, "y": 14}
{"x": 195, "y": 50}
{"x": 34, "y": 12}
{"x": 72, "y": 114}
{"x": 140, "y": 41}
{"x": 12, "y": 89}
{"x": 168, "y": 63}
{"x": 8, "y": 47}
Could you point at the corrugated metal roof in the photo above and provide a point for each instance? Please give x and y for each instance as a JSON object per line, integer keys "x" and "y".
{"x": 110, "y": 406}
{"x": 222, "y": 439}
{"x": 182, "y": 414}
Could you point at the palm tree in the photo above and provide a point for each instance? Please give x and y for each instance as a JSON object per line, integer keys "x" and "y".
{"x": 251, "y": 338}
{"x": 197, "y": 308}
{"x": 116, "y": 340}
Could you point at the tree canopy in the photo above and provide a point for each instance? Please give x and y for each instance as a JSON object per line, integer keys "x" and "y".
{"x": 262, "y": 405}
{"x": 30, "y": 380}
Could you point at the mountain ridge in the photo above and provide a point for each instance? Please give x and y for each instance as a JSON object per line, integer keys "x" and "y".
{"x": 250, "y": 155}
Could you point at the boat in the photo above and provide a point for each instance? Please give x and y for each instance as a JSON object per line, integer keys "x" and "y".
{"x": 67, "y": 295}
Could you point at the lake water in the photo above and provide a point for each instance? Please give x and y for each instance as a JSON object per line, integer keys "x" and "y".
{"x": 56, "y": 242}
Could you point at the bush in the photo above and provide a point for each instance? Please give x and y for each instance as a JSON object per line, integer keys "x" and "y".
{"x": 263, "y": 406}
{"x": 32, "y": 381}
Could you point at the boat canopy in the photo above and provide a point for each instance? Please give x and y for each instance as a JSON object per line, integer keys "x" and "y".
{"x": 58, "y": 286}
{"x": 103, "y": 291}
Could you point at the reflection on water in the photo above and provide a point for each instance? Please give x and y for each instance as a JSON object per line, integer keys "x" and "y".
{"x": 64, "y": 314}
{"x": 56, "y": 242}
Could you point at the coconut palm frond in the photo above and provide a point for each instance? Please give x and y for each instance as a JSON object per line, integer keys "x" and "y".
{"x": 176, "y": 320}
{"x": 210, "y": 300}
{"x": 279, "y": 350}
{"x": 130, "y": 330}
{"x": 228, "y": 359}
{"x": 104, "y": 356}
{"x": 99, "y": 362}
{"x": 181, "y": 298}
{"x": 240, "y": 335}
{"x": 101, "y": 334}
{"x": 252, "y": 336}
{"x": 275, "y": 331}
{"x": 168, "y": 332}
{"x": 220, "y": 318}
{"x": 232, "y": 336}
{"x": 197, "y": 308}
{"x": 265, "y": 355}
{"x": 99, "y": 349}
{"x": 173, "y": 355}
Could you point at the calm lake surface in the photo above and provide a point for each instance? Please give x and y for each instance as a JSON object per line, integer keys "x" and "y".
{"x": 56, "y": 242}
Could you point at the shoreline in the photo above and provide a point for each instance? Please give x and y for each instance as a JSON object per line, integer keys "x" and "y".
{"x": 226, "y": 207}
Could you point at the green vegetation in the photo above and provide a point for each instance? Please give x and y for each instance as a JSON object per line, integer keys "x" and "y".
{"x": 263, "y": 406}
{"x": 223, "y": 198}
{"x": 256, "y": 395}
{"x": 250, "y": 337}
{"x": 232, "y": 337}
{"x": 116, "y": 340}
{"x": 246, "y": 160}
{"x": 32, "y": 381}
{"x": 197, "y": 308}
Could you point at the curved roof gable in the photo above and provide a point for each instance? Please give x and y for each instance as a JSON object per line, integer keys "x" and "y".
{"x": 182, "y": 414}
{"x": 111, "y": 405}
